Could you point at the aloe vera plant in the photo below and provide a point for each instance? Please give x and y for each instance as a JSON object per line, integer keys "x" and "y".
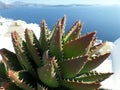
{"x": 55, "y": 61}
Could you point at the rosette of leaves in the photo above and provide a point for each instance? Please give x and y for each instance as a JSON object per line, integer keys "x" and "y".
{"x": 55, "y": 61}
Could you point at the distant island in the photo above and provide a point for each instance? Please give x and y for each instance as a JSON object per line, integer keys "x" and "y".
{"x": 19, "y": 3}
{"x": 4, "y": 5}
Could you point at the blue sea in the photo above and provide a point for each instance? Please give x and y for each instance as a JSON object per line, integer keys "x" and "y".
{"x": 103, "y": 19}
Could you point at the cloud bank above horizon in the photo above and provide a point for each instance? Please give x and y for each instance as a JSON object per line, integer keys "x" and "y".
{"x": 65, "y": 2}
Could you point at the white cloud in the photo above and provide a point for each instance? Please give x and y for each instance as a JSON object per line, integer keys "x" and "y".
{"x": 64, "y": 2}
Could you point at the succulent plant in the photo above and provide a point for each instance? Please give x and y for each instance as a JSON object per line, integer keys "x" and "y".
{"x": 55, "y": 61}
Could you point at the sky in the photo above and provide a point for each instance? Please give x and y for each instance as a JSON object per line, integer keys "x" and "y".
{"x": 64, "y": 2}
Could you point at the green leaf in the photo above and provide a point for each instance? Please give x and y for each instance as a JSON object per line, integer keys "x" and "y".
{"x": 52, "y": 32}
{"x": 74, "y": 32}
{"x": 10, "y": 86}
{"x": 63, "y": 24}
{"x": 3, "y": 70}
{"x": 39, "y": 87}
{"x": 55, "y": 48}
{"x": 70, "y": 68}
{"x": 21, "y": 52}
{"x": 78, "y": 47}
{"x": 94, "y": 62}
{"x": 23, "y": 79}
{"x": 27, "y": 77}
{"x": 43, "y": 36}
{"x": 93, "y": 77}
{"x": 47, "y": 59}
{"x": 10, "y": 59}
{"x": 74, "y": 85}
{"x": 47, "y": 75}
{"x": 33, "y": 47}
